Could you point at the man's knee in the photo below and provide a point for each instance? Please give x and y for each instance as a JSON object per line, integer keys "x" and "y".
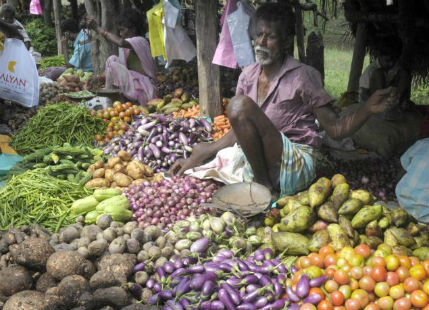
{"x": 239, "y": 106}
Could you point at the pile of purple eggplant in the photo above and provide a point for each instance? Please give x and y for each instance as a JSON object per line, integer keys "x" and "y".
{"x": 224, "y": 282}
{"x": 159, "y": 140}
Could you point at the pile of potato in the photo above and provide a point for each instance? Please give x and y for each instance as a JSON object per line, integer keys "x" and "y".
{"x": 71, "y": 83}
{"x": 120, "y": 172}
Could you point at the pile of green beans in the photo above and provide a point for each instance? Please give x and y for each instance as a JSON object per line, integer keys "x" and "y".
{"x": 56, "y": 124}
{"x": 36, "y": 197}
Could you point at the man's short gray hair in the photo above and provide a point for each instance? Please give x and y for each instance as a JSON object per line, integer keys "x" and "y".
{"x": 8, "y": 8}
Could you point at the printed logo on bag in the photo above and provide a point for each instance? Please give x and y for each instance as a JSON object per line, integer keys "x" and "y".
{"x": 10, "y": 80}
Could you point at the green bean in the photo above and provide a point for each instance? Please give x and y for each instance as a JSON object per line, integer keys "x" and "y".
{"x": 37, "y": 197}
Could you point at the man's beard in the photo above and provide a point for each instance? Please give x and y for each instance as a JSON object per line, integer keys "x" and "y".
{"x": 265, "y": 56}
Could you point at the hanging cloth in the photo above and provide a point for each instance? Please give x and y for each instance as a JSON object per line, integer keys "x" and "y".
{"x": 238, "y": 23}
{"x": 178, "y": 45}
{"x": 224, "y": 55}
{"x": 156, "y": 30}
{"x": 35, "y": 7}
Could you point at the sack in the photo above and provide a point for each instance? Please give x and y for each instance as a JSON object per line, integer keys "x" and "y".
{"x": 387, "y": 138}
{"x": 35, "y": 7}
{"x": 412, "y": 190}
{"x": 19, "y": 80}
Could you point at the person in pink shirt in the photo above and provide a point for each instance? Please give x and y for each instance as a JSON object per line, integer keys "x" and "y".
{"x": 274, "y": 112}
{"x": 133, "y": 71}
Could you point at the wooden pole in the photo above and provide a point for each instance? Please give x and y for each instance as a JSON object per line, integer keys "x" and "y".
{"x": 208, "y": 74}
{"x": 358, "y": 58}
{"x": 300, "y": 32}
{"x": 56, "y": 7}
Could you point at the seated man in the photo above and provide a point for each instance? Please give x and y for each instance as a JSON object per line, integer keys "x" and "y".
{"x": 134, "y": 70}
{"x": 275, "y": 108}
{"x": 7, "y": 13}
{"x": 385, "y": 72}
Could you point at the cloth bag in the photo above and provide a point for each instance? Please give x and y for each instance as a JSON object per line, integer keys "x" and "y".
{"x": 35, "y": 7}
{"x": 412, "y": 190}
{"x": 19, "y": 81}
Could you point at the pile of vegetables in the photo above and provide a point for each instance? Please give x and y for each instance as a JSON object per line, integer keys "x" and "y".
{"x": 335, "y": 215}
{"x": 164, "y": 202}
{"x": 49, "y": 93}
{"x": 102, "y": 202}
{"x": 159, "y": 141}
{"x": 185, "y": 78}
{"x": 171, "y": 103}
{"x": 52, "y": 61}
{"x": 118, "y": 119}
{"x": 221, "y": 126}
{"x": 74, "y": 81}
{"x": 378, "y": 176}
{"x": 55, "y": 125}
{"x": 37, "y": 197}
{"x": 119, "y": 172}
{"x": 15, "y": 116}
{"x": 193, "y": 112}
{"x": 63, "y": 162}
{"x": 359, "y": 278}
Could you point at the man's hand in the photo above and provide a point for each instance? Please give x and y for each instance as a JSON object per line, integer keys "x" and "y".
{"x": 381, "y": 100}
{"x": 195, "y": 160}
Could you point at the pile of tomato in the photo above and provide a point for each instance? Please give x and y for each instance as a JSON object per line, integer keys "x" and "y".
{"x": 118, "y": 117}
{"x": 359, "y": 278}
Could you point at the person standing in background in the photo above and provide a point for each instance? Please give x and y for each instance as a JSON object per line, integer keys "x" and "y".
{"x": 7, "y": 13}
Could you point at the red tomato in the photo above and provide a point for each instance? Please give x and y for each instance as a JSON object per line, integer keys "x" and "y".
{"x": 392, "y": 278}
{"x": 411, "y": 284}
{"x": 346, "y": 290}
{"x": 367, "y": 283}
{"x": 378, "y": 261}
{"x": 414, "y": 261}
{"x": 304, "y": 262}
{"x": 419, "y": 299}
{"x": 353, "y": 304}
{"x": 426, "y": 266}
{"x": 341, "y": 277}
{"x": 402, "y": 304}
{"x": 385, "y": 303}
{"x": 397, "y": 291}
{"x": 379, "y": 274}
{"x": 325, "y": 250}
{"x": 325, "y": 305}
{"x": 363, "y": 249}
{"x": 316, "y": 290}
{"x": 362, "y": 296}
{"x": 367, "y": 270}
{"x": 329, "y": 272}
{"x": 316, "y": 260}
{"x": 402, "y": 273}
{"x": 340, "y": 308}
{"x": 426, "y": 287}
{"x": 404, "y": 261}
{"x": 337, "y": 298}
{"x": 372, "y": 306}
{"x": 356, "y": 272}
{"x": 354, "y": 284}
{"x": 418, "y": 272}
{"x": 308, "y": 306}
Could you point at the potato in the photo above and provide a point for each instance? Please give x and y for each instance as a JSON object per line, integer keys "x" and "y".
{"x": 45, "y": 282}
{"x": 113, "y": 185}
{"x": 99, "y": 173}
{"x": 103, "y": 279}
{"x": 97, "y": 183}
{"x": 108, "y": 174}
{"x": 113, "y": 161}
{"x": 122, "y": 180}
{"x": 115, "y": 296}
{"x": 14, "y": 279}
{"x": 71, "y": 288}
{"x": 25, "y": 300}
{"x": 123, "y": 155}
{"x": 91, "y": 169}
{"x": 119, "y": 168}
{"x": 148, "y": 171}
{"x": 135, "y": 171}
{"x": 65, "y": 263}
{"x": 33, "y": 253}
{"x": 120, "y": 265}
{"x": 138, "y": 181}
{"x": 99, "y": 164}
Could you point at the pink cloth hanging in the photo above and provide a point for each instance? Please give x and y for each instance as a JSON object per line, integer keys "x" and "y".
{"x": 35, "y": 7}
{"x": 224, "y": 55}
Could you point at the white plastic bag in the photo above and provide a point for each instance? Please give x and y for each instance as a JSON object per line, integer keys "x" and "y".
{"x": 19, "y": 80}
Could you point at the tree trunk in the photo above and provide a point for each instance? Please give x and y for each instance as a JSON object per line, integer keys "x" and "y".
{"x": 300, "y": 32}
{"x": 358, "y": 58}
{"x": 74, "y": 8}
{"x": 60, "y": 46}
{"x": 104, "y": 12}
{"x": 315, "y": 53}
{"x": 208, "y": 74}
{"x": 47, "y": 11}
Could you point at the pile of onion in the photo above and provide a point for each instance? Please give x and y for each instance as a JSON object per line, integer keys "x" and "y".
{"x": 170, "y": 200}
